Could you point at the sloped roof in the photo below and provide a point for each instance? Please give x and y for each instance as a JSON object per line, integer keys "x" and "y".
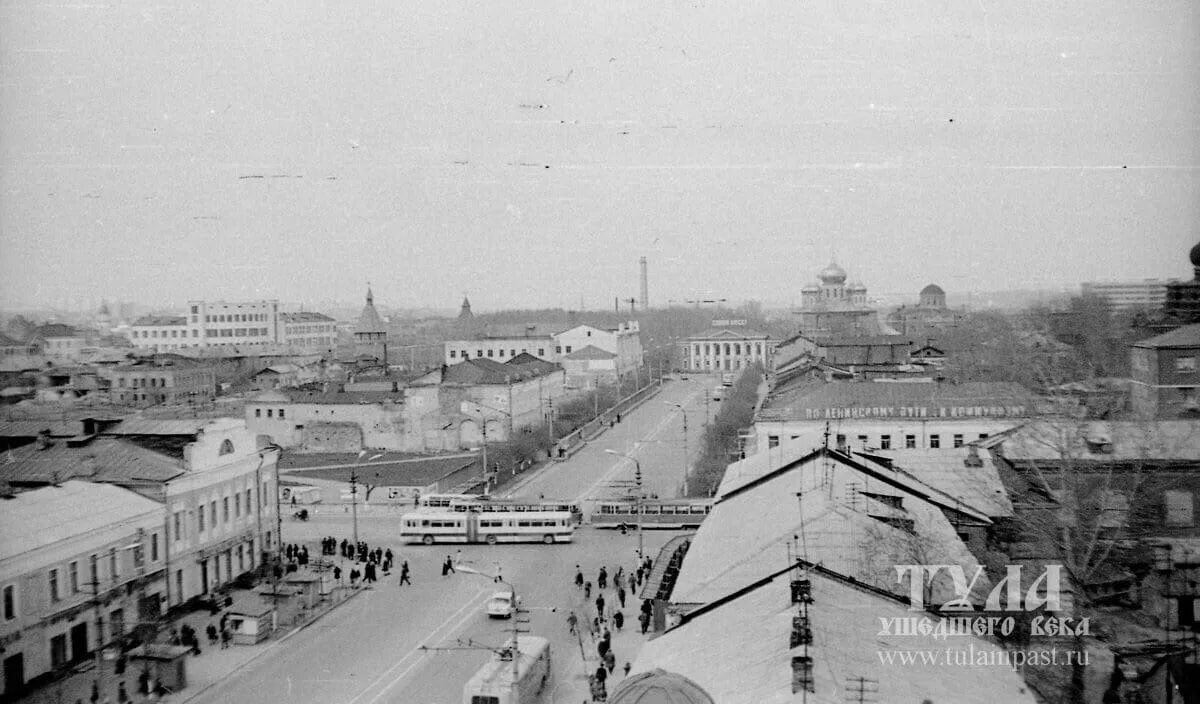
{"x": 540, "y": 367}
{"x": 590, "y": 352}
{"x": 1186, "y": 336}
{"x": 487, "y": 371}
{"x": 305, "y": 317}
{"x": 896, "y": 400}
{"x": 392, "y": 469}
{"x": 6, "y": 341}
{"x": 55, "y": 330}
{"x": 369, "y": 320}
{"x": 731, "y": 334}
{"x": 41, "y": 517}
{"x": 1067, "y": 440}
{"x": 160, "y": 320}
{"x": 158, "y": 426}
{"x": 738, "y": 650}
{"x": 947, "y": 471}
{"x": 103, "y": 459}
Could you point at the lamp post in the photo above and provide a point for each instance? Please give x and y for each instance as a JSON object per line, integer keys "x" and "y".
{"x": 354, "y": 490}
{"x": 477, "y": 407}
{"x": 683, "y": 412}
{"x": 637, "y": 482}
{"x": 497, "y": 579}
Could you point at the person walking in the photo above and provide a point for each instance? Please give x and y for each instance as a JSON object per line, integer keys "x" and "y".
{"x": 600, "y": 606}
{"x": 602, "y": 579}
{"x": 404, "y": 574}
{"x": 587, "y": 590}
{"x": 578, "y": 577}
{"x": 627, "y": 668}
{"x": 572, "y": 622}
{"x": 621, "y": 596}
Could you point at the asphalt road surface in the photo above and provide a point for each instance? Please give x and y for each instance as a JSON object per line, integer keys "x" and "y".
{"x": 421, "y": 643}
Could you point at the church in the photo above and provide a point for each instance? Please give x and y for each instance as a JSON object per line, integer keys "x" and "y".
{"x": 831, "y": 307}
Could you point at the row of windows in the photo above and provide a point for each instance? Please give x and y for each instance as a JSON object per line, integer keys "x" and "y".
{"x": 541, "y": 352}
{"x": 307, "y": 329}
{"x": 206, "y": 516}
{"x": 174, "y": 333}
{"x": 140, "y": 382}
{"x": 235, "y": 332}
{"x": 1185, "y": 364}
{"x": 270, "y": 413}
{"x": 238, "y": 318}
{"x": 885, "y": 440}
{"x": 71, "y": 582}
{"x": 736, "y": 347}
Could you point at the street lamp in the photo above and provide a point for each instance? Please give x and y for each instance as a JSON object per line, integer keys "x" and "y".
{"x": 477, "y": 407}
{"x": 354, "y": 490}
{"x": 683, "y": 411}
{"x": 637, "y": 481}
{"x": 497, "y": 579}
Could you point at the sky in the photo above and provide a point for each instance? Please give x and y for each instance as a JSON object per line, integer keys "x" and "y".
{"x": 528, "y": 153}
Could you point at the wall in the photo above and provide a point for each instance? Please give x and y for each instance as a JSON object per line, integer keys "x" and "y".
{"x": 332, "y": 437}
{"x": 971, "y": 429}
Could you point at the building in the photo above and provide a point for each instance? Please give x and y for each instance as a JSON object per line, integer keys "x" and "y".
{"x": 623, "y": 343}
{"x": 830, "y": 306}
{"x": 58, "y": 342}
{"x": 1182, "y": 303}
{"x": 501, "y": 348}
{"x": 884, "y": 416}
{"x": 727, "y": 348}
{"x": 1129, "y": 295}
{"x": 236, "y": 323}
{"x": 308, "y": 332}
{"x": 370, "y": 334}
{"x": 81, "y": 565}
{"x": 161, "y": 333}
{"x": 214, "y": 481}
{"x": 851, "y": 352}
{"x": 1165, "y": 376}
{"x": 930, "y": 313}
{"x": 175, "y": 381}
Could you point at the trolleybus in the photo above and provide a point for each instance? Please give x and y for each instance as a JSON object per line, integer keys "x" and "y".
{"x": 503, "y": 681}
{"x": 656, "y": 513}
{"x": 431, "y": 527}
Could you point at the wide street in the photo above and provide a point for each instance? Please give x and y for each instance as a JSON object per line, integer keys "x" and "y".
{"x": 372, "y": 649}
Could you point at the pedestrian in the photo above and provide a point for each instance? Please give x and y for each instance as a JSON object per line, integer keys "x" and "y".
{"x": 212, "y": 634}
{"x": 404, "y": 574}
{"x": 600, "y": 605}
{"x": 122, "y": 694}
{"x": 451, "y": 564}
{"x": 618, "y": 620}
{"x": 369, "y": 576}
{"x": 610, "y": 661}
{"x": 602, "y": 648}
{"x": 621, "y": 596}
{"x": 572, "y": 622}
{"x": 388, "y": 555}
{"x": 226, "y": 637}
{"x": 587, "y": 590}
{"x": 627, "y": 668}
{"x": 446, "y": 566}
{"x": 619, "y": 576}
{"x": 337, "y": 573}
{"x": 578, "y": 577}
{"x": 602, "y": 579}
{"x": 95, "y": 693}
{"x": 601, "y": 674}
{"x": 644, "y": 620}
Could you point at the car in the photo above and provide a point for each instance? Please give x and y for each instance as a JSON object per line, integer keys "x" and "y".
{"x": 502, "y": 604}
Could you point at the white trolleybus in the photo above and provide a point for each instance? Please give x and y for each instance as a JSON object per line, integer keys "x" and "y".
{"x": 493, "y": 527}
{"x": 516, "y": 674}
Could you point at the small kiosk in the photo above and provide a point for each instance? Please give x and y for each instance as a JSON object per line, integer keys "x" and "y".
{"x": 250, "y": 623}
{"x": 306, "y": 586}
{"x": 164, "y": 664}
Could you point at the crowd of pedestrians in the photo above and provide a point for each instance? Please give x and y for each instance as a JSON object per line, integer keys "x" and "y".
{"x": 609, "y": 612}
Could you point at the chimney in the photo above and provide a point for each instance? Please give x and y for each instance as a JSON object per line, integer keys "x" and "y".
{"x": 973, "y": 459}
{"x": 43, "y": 440}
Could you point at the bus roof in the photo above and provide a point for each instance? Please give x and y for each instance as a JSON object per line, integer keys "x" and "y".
{"x": 443, "y": 514}
{"x": 497, "y": 672}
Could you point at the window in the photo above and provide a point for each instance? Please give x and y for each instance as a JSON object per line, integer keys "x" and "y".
{"x": 10, "y": 602}
{"x": 179, "y": 525}
{"x": 935, "y": 441}
{"x": 983, "y": 436}
{"x": 225, "y": 509}
{"x": 113, "y": 573}
{"x": 862, "y": 440}
{"x": 910, "y": 441}
{"x": 54, "y": 595}
{"x": 453, "y": 354}
{"x": 1179, "y": 509}
{"x": 541, "y": 351}
{"x": 558, "y": 349}
{"x": 94, "y": 571}
{"x": 478, "y": 354}
{"x": 958, "y": 440}
{"x": 262, "y": 495}
{"x": 841, "y": 440}
{"x": 227, "y": 447}
{"x": 885, "y": 442}
{"x": 1185, "y": 364}
{"x": 213, "y": 508}
{"x": 73, "y": 576}
{"x": 248, "y": 501}
{"x": 281, "y": 416}
{"x": 489, "y": 352}
{"x": 237, "y": 505}
{"x": 772, "y": 441}
{"x": 154, "y": 547}
{"x": 200, "y": 519}
{"x": 1114, "y": 509}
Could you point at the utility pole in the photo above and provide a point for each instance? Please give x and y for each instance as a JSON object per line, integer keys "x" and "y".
{"x": 354, "y": 490}
{"x": 637, "y": 483}
{"x": 683, "y": 412}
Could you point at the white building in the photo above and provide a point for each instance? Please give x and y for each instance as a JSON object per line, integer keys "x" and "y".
{"x": 308, "y": 331}
{"x": 1129, "y": 295}
{"x": 81, "y": 564}
{"x": 623, "y": 342}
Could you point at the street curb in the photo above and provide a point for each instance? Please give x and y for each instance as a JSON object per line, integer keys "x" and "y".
{"x": 269, "y": 648}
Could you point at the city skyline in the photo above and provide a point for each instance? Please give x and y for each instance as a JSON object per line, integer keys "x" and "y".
{"x": 529, "y": 155}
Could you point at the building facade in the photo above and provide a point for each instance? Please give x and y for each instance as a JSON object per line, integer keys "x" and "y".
{"x": 623, "y": 342}
{"x": 502, "y": 349}
{"x": 81, "y": 565}
{"x": 308, "y": 332}
{"x": 147, "y": 384}
{"x": 1129, "y": 295}
{"x": 727, "y": 349}
{"x": 1165, "y": 375}
{"x": 161, "y": 333}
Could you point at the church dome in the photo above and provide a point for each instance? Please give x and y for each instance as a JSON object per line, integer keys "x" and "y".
{"x": 935, "y": 290}
{"x": 856, "y": 286}
{"x": 833, "y": 274}
{"x": 811, "y": 288}
{"x": 1194, "y": 255}
{"x": 659, "y": 687}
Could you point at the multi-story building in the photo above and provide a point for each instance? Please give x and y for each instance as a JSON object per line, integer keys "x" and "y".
{"x": 59, "y": 342}
{"x": 307, "y": 331}
{"x": 148, "y": 383}
{"x": 727, "y": 348}
{"x": 161, "y": 333}
{"x": 1165, "y": 375}
{"x": 502, "y": 348}
{"x": 1129, "y": 295}
{"x": 81, "y": 565}
{"x": 213, "y": 480}
{"x": 223, "y": 324}
{"x": 900, "y": 415}
{"x": 623, "y": 343}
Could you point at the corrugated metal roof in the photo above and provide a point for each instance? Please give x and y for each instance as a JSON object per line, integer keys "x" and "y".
{"x": 395, "y": 471}
{"x": 947, "y": 471}
{"x": 41, "y": 517}
{"x": 823, "y": 400}
{"x": 102, "y": 459}
{"x": 153, "y": 426}
{"x": 740, "y": 653}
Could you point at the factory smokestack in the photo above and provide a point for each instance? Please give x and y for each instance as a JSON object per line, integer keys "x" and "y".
{"x": 645, "y": 285}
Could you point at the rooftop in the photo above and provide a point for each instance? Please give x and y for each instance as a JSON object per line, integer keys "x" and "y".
{"x": 590, "y": 352}
{"x": 306, "y": 317}
{"x": 1186, "y": 336}
{"x": 160, "y": 320}
{"x": 393, "y": 469}
{"x": 836, "y": 400}
{"x": 102, "y": 460}
{"x": 41, "y": 517}
{"x": 1099, "y": 441}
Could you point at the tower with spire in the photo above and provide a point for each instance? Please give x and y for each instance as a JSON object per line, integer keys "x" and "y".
{"x": 466, "y": 319}
{"x": 370, "y": 334}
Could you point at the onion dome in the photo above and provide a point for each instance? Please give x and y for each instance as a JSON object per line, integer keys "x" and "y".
{"x": 811, "y": 288}
{"x": 833, "y": 274}
{"x": 1194, "y": 255}
{"x": 935, "y": 290}
{"x": 856, "y": 286}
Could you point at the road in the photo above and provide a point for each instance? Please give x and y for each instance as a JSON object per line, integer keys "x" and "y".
{"x": 370, "y": 650}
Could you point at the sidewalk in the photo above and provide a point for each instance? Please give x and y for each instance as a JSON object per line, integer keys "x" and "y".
{"x": 626, "y": 643}
{"x": 213, "y": 665}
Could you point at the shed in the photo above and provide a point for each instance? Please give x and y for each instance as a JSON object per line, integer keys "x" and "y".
{"x": 167, "y": 664}
{"x": 250, "y": 624}
{"x": 306, "y": 585}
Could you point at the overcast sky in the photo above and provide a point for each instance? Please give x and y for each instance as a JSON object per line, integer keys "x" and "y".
{"x": 527, "y": 153}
